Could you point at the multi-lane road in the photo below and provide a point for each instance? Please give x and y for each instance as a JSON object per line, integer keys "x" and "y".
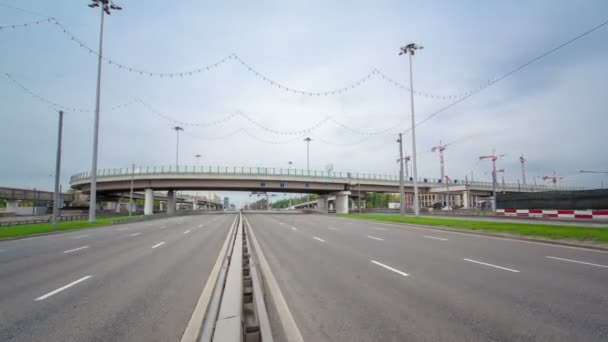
{"x": 342, "y": 280}
{"x": 132, "y": 282}
{"x": 351, "y": 280}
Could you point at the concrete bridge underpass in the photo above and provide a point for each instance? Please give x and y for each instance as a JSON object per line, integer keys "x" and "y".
{"x": 342, "y": 185}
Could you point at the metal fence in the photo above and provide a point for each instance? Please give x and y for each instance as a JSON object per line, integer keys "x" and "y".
{"x": 268, "y": 171}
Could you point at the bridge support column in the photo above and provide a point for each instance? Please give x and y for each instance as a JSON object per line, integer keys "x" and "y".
{"x": 322, "y": 203}
{"x": 465, "y": 199}
{"x": 11, "y": 206}
{"x": 195, "y": 205}
{"x": 148, "y": 202}
{"x": 170, "y": 202}
{"x": 342, "y": 202}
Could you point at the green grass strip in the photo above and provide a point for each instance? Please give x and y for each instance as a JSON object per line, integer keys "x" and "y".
{"x": 40, "y": 228}
{"x": 528, "y": 229}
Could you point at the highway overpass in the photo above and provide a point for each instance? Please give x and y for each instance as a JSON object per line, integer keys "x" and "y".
{"x": 339, "y": 184}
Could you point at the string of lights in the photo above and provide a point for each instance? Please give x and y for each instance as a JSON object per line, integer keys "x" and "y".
{"x": 388, "y": 130}
{"x": 57, "y": 106}
{"x": 32, "y": 23}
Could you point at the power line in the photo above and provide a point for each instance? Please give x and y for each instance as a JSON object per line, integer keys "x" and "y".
{"x": 513, "y": 71}
{"x": 31, "y": 23}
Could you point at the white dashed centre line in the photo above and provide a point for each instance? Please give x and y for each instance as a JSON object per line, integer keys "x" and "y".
{"x": 495, "y": 266}
{"x": 577, "y": 262}
{"x": 294, "y": 228}
{"x": 200, "y": 226}
{"x": 375, "y": 238}
{"x": 187, "y": 231}
{"x": 316, "y": 238}
{"x": 158, "y": 244}
{"x": 135, "y": 234}
{"x": 80, "y": 236}
{"x": 75, "y": 249}
{"x": 332, "y": 228}
{"x": 389, "y": 268}
{"x": 163, "y": 227}
{"x": 435, "y": 238}
{"x": 43, "y": 297}
{"x": 120, "y": 229}
{"x": 379, "y": 228}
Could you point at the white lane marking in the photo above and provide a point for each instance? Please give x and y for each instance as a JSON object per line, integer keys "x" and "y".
{"x": 379, "y": 228}
{"x": 135, "y": 234}
{"x": 375, "y": 238}
{"x": 187, "y": 231}
{"x": 200, "y": 226}
{"x": 80, "y": 236}
{"x": 75, "y": 249}
{"x": 281, "y": 223}
{"x": 2, "y": 250}
{"x": 389, "y": 268}
{"x": 119, "y": 229}
{"x": 436, "y": 238}
{"x": 576, "y": 261}
{"x": 486, "y": 264}
{"x": 316, "y": 238}
{"x": 158, "y": 244}
{"x": 163, "y": 227}
{"x": 43, "y": 297}
{"x": 294, "y": 228}
{"x": 332, "y": 228}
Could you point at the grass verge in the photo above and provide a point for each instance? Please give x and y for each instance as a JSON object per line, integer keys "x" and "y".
{"x": 527, "y": 229}
{"x": 41, "y": 228}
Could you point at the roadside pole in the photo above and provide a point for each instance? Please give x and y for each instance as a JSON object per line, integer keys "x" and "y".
{"x": 56, "y": 197}
{"x": 131, "y": 192}
{"x": 401, "y": 185}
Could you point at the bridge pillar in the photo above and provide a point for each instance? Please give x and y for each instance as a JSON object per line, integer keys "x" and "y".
{"x": 342, "y": 202}
{"x": 148, "y": 202}
{"x": 11, "y": 206}
{"x": 322, "y": 203}
{"x": 195, "y": 205}
{"x": 465, "y": 199}
{"x": 170, "y": 202}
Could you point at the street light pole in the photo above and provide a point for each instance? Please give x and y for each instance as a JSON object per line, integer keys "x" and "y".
{"x": 308, "y": 140}
{"x": 56, "y": 195}
{"x": 177, "y": 129}
{"x": 401, "y": 185}
{"x": 105, "y": 6}
{"x": 410, "y": 50}
{"x": 131, "y": 192}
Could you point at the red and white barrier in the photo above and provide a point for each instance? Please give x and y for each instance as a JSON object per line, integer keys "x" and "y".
{"x": 573, "y": 214}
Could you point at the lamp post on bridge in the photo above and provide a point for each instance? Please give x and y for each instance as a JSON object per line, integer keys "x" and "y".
{"x": 105, "y": 6}
{"x": 308, "y": 140}
{"x": 177, "y": 129}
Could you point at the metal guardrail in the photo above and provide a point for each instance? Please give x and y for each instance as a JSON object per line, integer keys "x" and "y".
{"x": 265, "y": 171}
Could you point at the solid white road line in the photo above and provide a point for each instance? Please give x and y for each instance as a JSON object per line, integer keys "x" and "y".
{"x": 486, "y": 264}
{"x": 75, "y": 249}
{"x": 578, "y": 262}
{"x": 316, "y": 238}
{"x": 294, "y": 228}
{"x": 43, "y": 297}
{"x": 187, "y": 231}
{"x": 80, "y": 236}
{"x": 135, "y": 234}
{"x": 158, "y": 244}
{"x": 389, "y": 268}
{"x": 436, "y": 238}
{"x": 375, "y": 238}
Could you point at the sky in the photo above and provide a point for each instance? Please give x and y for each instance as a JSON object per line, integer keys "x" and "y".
{"x": 553, "y": 112}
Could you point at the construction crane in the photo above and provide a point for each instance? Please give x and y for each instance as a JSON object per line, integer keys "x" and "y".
{"x": 553, "y": 179}
{"x": 493, "y": 158}
{"x": 503, "y": 178}
{"x": 441, "y": 147}
{"x": 523, "y": 161}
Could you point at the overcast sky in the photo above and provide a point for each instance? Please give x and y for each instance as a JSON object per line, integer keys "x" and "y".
{"x": 554, "y": 111}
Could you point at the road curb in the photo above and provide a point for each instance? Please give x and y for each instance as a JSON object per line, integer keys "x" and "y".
{"x": 195, "y": 324}
{"x": 490, "y": 234}
{"x": 286, "y": 321}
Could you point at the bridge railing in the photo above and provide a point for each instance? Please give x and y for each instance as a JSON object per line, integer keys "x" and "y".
{"x": 346, "y": 176}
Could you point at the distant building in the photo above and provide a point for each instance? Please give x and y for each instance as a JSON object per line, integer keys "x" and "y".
{"x": 226, "y": 202}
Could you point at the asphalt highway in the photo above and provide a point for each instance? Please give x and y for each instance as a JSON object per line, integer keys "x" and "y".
{"x": 130, "y": 282}
{"x": 354, "y": 280}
